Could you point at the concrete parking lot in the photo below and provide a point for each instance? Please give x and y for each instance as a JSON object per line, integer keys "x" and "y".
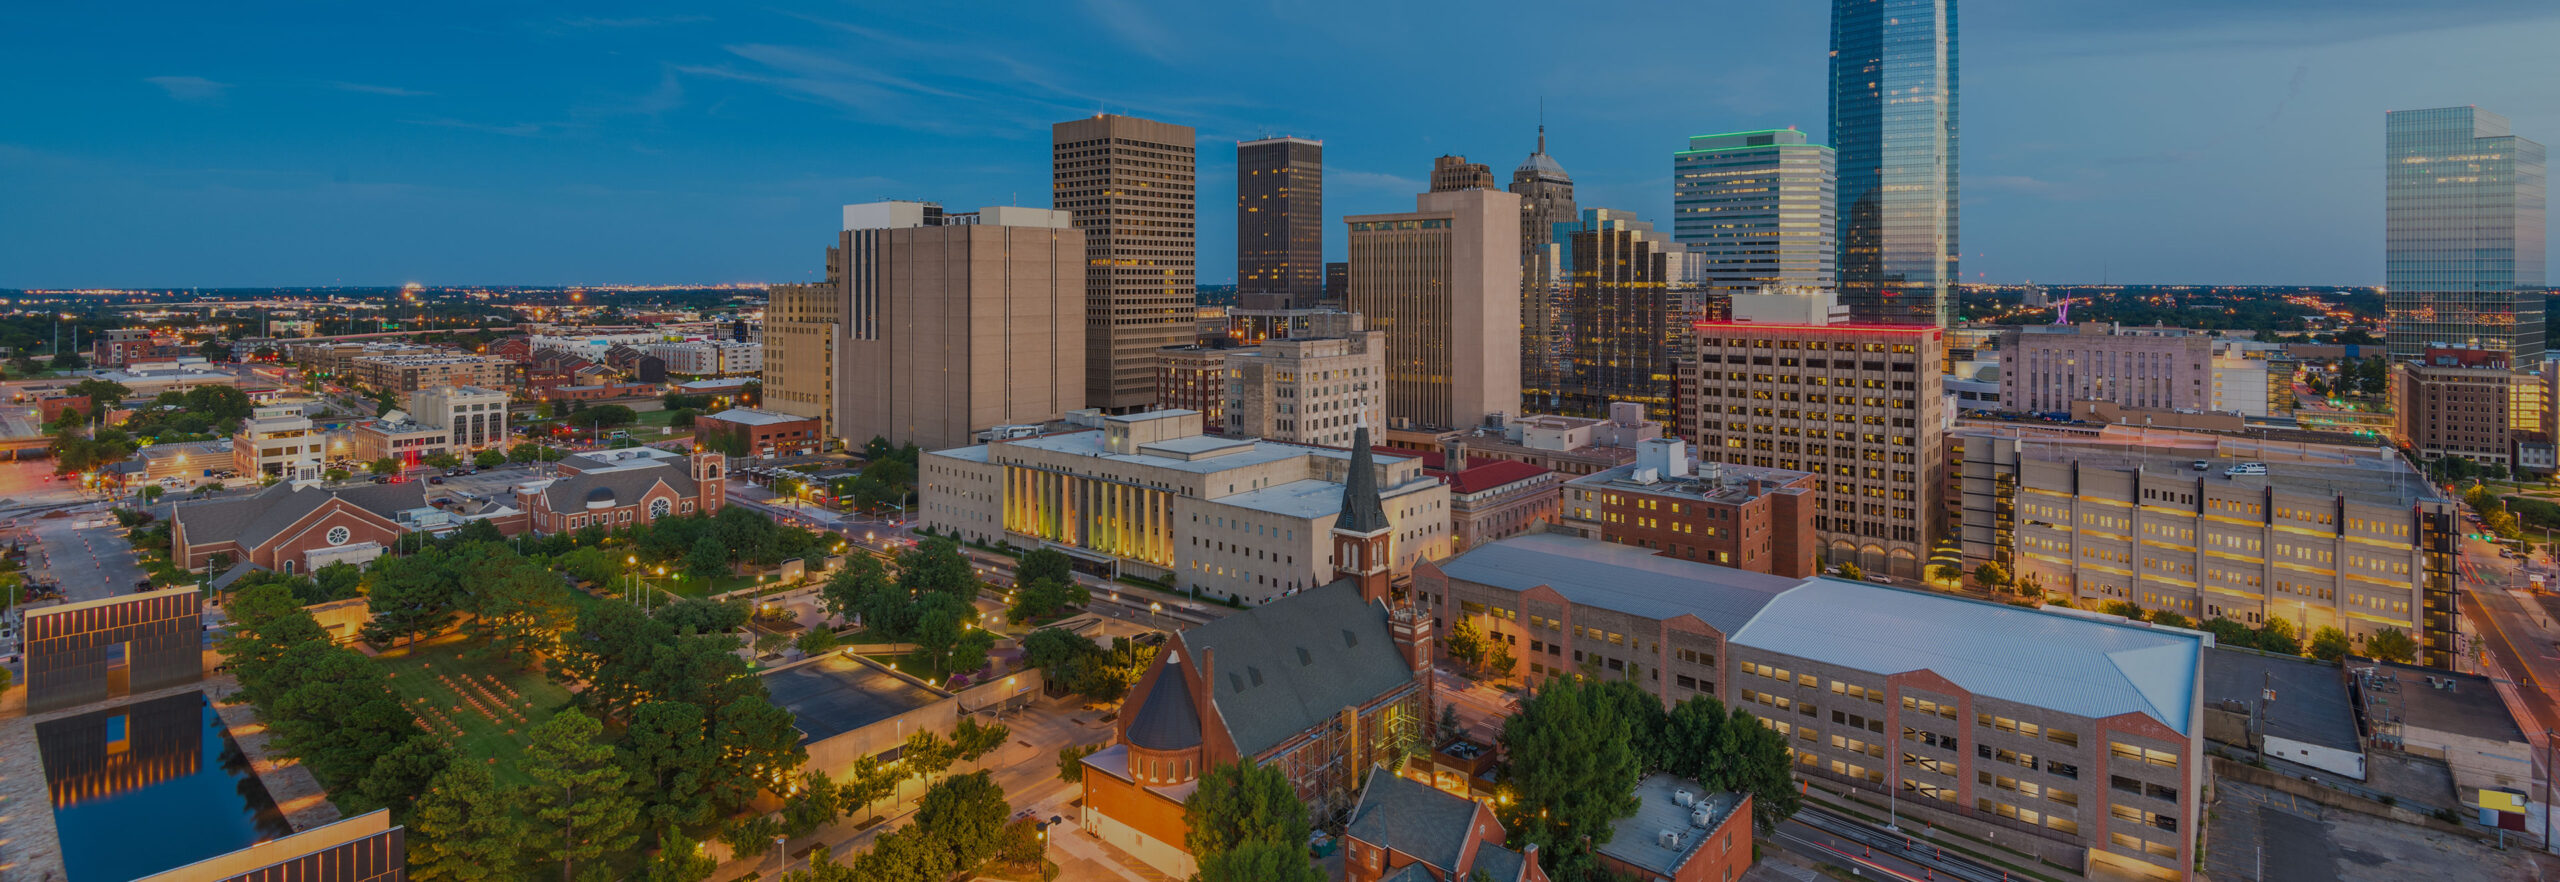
{"x": 2259, "y": 834}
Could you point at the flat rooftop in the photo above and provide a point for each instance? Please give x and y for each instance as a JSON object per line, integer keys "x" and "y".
{"x": 2311, "y": 703}
{"x": 833, "y": 694}
{"x": 1730, "y": 484}
{"x": 2373, "y": 475}
{"x": 1637, "y": 837}
{"x": 747, "y": 416}
{"x": 2470, "y": 706}
{"x": 1251, "y": 452}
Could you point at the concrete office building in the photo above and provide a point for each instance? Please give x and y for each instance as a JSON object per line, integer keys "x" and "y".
{"x": 2048, "y": 368}
{"x": 1443, "y": 283}
{"x": 1129, "y": 184}
{"x": 800, "y": 327}
{"x": 1862, "y": 406}
{"x": 1739, "y": 516}
{"x": 709, "y": 358}
{"x": 2464, "y": 233}
{"x": 1894, "y": 122}
{"x": 1758, "y": 206}
{"x": 1492, "y": 498}
{"x": 472, "y": 418}
{"x": 1312, "y": 390}
{"x": 2319, "y": 535}
{"x": 1547, "y": 286}
{"x": 1280, "y": 222}
{"x": 1337, "y": 283}
{"x": 280, "y": 441}
{"x": 1456, "y": 173}
{"x": 2072, "y": 737}
{"x": 956, "y": 322}
{"x": 1150, "y": 493}
{"x": 1562, "y": 444}
{"x": 1194, "y": 378}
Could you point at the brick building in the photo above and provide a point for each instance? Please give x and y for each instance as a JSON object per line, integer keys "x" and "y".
{"x": 1745, "y": 517}
{"x": 2070, "y": 736}
{"x": 1491, "y": 498}
{"x": 297, "y": 527}
{"x": 633, "y": 486}
{"x": 1401, "y": 823}
{"x": 760, "y": 432}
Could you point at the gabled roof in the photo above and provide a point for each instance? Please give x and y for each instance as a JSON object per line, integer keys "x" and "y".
{"x": 2079, "y": 665}
{"x": 1289, "y": 665}
{"x": 570, "y": 493}
{"x": 252, "y": 520}
{"x": 1415, "y": 818}
{"x": 1621, "y": 577}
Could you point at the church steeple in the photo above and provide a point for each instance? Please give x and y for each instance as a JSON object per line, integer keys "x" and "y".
{"x": 1361, "y": 531}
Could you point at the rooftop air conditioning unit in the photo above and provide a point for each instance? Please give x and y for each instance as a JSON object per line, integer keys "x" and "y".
{"x": 1703, "y": 818}
{"x": 1668, "y": 839}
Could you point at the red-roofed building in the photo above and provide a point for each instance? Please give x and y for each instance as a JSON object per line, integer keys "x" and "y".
{"x": 1491, "y": 499}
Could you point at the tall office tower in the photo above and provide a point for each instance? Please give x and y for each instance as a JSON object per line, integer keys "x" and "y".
{"x": 1337, "y": 283}
{"x": 1757, "y": 208}
{"x": 1546, "y": 200}
{"x": 1625, "y": 315}
{"x": 1130, "y": 184}
{"x": 1863, "y": 406}
{"x": 1456, "y": 173}
{"x": 2463, "y": 228}
{"x": 1280, "y": 222}
{"x": 1443, "y": 283}
{"x": 800, "y": 327}
{"x": 1893, "y": 118}
{"x": 953, "y": 323}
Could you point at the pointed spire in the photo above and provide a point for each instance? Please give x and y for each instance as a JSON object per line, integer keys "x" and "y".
{"x": 1362, "y": 510}
{"x": 1542, "y": 137}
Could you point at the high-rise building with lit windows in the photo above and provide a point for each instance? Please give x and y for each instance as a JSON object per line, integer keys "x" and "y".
{"x": 1443, "y": 283}
{"x": 1861, "y": 406}
{"x": 1757, "y": 209}
{"x": 1893, "y": 119}
{"x": 2463, "y": 224}
{"x": 1280, "y": 222}
{"x": 1131, "y": 184}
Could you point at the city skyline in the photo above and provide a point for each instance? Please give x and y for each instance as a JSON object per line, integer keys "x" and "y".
{"x": 682, "y": 147}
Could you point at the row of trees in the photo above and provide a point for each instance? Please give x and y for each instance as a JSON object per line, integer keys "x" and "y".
{"x": 327, "y": 704}
{"x": 1075, "y": 663}
{"x": 1482, "y": 658}
{"x": 1576, "y": 750}
{"x": 1045, "y": 587}
{"x": 930, "y": 601}
{"x": 959, "y": 825}
{"x": 512, "y": 603}
{"x": 2279, "y": 635}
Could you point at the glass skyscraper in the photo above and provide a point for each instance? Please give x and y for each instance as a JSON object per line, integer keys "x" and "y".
{"x": 1757, "y": 209}
{"x": 1893, "y": 120}
{"x": 2463, "y": 229}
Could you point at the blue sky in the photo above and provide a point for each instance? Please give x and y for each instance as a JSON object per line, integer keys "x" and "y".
{"x": 485, "y": 143}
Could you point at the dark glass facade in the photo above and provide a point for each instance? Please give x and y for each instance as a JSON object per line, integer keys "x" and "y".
{"x": 1893, "y": 121}
{"x": 2464, "y": 227}
{"x": 1625, "y": 316}
{"x": 1280, "y": 220}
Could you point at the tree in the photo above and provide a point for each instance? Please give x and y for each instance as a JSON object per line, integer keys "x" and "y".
{"x": 488, "y": 459}
{"x": 1071, "y": 761}
{"x": 818, "y": 641}
{"x": 947, "y": 637}
{"x": 814, "y": 802}
{"x": 709, "y": 559}
{"x": 851, "y": 590}
{"x": 1450, "y": 725}
{"x": 972, "y": 740}
{"x": 1237, "y": 815}
{"x": 1466, "y": 644}
{"x": 867, "y": 782}
{"x": 383, "y": 466}
{"x": 603, "y": 416}
{"x": 2330, "y": 644}
{"x": 1260, "y": 861}
{"x": 1571, "y": 764}
{"x": 401, "y": 775}
{"x": 703, "y": 615}
{"x": 925, "y": 754}
{"x": 103, "y": 395}
{"x": 670, "y": 763}
{"x": 1044, "y": 563}
{"x": 1992, "y": 574}
{"x": 2278, "y": 635}
{"x": 678, "y": 860}
{"x": 2121, "y": 608}
{"x": 1045, "y": 597}
{"x": 151, "y": 492}
{"x": 2391, "y": 645}
{"x": 578, "y": 798}
{"x": 937, "y": 566}
{"x": 467, "y": 829}
{"x": 965, "y": 814}
{"x": 522, "y": 609}
{"x": 769, "y": 644}
{"x": 2230, "y": 633}
{"x": 1850, "y": 570}
{"x": 2174, "y": 620}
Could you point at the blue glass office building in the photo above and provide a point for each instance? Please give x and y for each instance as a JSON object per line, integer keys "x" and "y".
{"x": 2463, "y": 224}
{"x": 1893, "y": 122}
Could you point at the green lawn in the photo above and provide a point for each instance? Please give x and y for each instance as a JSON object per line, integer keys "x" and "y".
{"x": 656, "y": 418}
{"x": 499, "y": 726}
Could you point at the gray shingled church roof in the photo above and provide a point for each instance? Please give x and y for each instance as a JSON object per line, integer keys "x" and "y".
{"x": 1167, "y": 719}
{"x": 1414, "y": 818}
{"x": 1288, "y": 665}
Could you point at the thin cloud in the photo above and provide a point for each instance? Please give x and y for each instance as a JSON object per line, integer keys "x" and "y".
{"x": 371, "y": 89}
{"x": 594, "y": 23}
{"x": 520, "y": 130}
{"x": 197, "y": 90}
{"x": 1137, "y": 29}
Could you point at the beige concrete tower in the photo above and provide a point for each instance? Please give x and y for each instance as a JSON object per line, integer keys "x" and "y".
{"x": 955, "y": 322}
{"x": 1129, "y": 183}
{"x": 1443, "y": 283}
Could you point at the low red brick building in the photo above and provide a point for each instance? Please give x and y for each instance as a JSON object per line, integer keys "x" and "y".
{"x": 760, "y": 432}
{"x": 298, "y": 528}
{"x": 1744, "y": 517}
